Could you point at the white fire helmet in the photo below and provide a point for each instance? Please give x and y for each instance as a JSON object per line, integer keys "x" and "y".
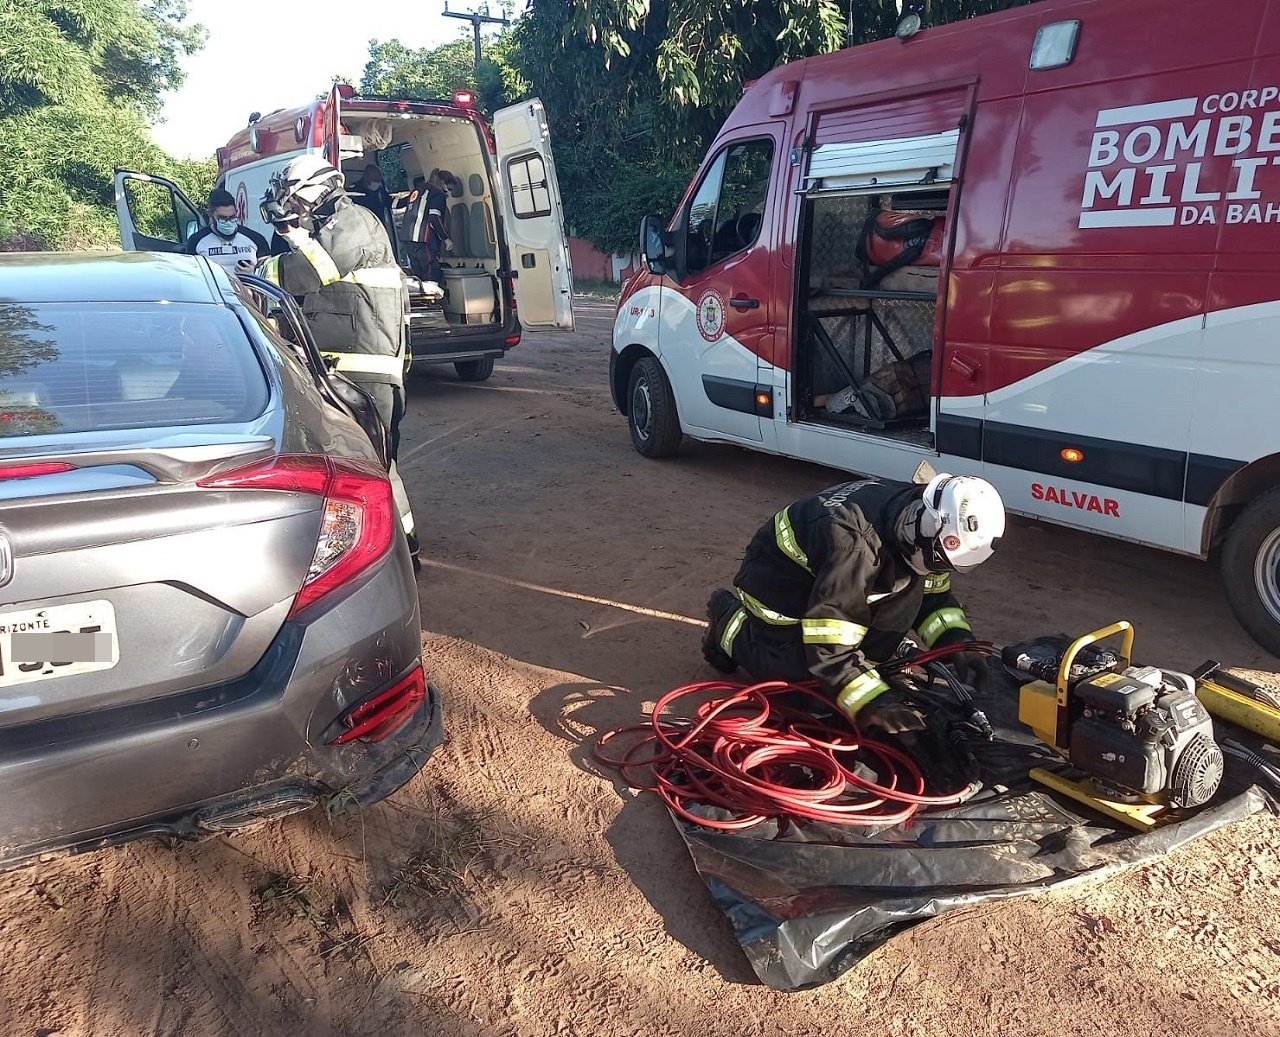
{"x": 306, "y": 184}
{"x": 960, "y": 523}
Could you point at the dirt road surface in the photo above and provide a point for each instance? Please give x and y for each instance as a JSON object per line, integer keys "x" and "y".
{"x": 510, "y": 889}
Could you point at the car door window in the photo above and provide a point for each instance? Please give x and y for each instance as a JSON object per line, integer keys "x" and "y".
{"x": 159, "y": 213}
{"x": 727, "y": 210}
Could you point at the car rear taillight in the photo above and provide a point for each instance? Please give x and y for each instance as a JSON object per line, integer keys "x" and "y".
{"x": 359, "y": 523}
{"x": 511, "y": 340}
{"x": 384, "y": 713}
{"x": 30, "y": 471}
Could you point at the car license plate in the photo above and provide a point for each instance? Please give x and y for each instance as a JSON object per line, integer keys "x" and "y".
{"x": 39, "y": 644}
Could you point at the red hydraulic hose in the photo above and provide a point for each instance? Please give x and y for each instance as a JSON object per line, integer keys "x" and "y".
{"x": 748, "y": 753}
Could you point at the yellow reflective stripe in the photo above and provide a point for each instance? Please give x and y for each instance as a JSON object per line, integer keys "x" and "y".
{"x": 326, "y": 269}
{"x": 376, "y": 277}
{"x": 937, "y": 583}
{"x": 367, "y": 363}
{"x": 938, "y": 623}
{"x": 762, "y": 611}
{"x": 859, "y": 691}
{"x": 731, "y": 631}
{"x": 787, "y": 542}
{"x": 832, "y": 632}
{"x": 269, "y": 269}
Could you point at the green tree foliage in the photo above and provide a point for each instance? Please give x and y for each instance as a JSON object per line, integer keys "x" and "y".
{"x": 78, "y": 80}
{"x": 635, "y": 89}
{"x": 432, "y": 73}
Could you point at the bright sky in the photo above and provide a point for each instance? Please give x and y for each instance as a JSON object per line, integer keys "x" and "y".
{"x": 266, "y": 54}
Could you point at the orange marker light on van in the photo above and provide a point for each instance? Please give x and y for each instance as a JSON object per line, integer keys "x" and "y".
{"x": 1071, "y": 455}
{"x": 762, "y": 398}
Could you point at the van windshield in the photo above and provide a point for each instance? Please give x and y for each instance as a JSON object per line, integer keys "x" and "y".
{"x": 83, "y": 367}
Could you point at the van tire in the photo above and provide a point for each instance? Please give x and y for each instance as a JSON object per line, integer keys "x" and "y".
{"x": 651, "y": 410}
{"x": 1250, "y": 567}
{"x": 474, "y": 370}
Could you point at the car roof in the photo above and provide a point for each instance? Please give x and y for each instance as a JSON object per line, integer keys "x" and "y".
{"x": 30, "y": 277}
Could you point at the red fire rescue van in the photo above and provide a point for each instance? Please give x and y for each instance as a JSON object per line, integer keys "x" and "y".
{"x": 509, "y": 268}
{"x": 1042, "y": 246}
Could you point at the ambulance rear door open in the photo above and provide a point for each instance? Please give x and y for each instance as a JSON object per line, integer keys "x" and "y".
{"x": 533, "y": 219}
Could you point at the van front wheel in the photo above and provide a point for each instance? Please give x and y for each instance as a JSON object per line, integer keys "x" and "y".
{"x": 1251, "y": 570}
{"x": 651, "y": 410}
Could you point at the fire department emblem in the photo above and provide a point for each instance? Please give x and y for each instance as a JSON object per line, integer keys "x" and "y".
{"x": 710, "y": 315}
{"x": 242, "y": 203}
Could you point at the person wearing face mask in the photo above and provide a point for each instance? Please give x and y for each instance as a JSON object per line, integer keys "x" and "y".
{"x": 831, "y": 584}
{"x": 226, "y": 241}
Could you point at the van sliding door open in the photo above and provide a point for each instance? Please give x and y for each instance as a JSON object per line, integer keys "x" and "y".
{"x": 877, "y": 193}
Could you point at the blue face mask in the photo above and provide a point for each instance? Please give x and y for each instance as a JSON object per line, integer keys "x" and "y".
{"x": 226, "y": 228}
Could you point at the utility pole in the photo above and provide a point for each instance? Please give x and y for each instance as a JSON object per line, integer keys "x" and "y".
{"x": 477, "y": 19}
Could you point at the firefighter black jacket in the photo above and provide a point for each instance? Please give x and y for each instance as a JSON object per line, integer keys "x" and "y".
{"x": 827, "y": 565}
{"x": 353, "y": 291}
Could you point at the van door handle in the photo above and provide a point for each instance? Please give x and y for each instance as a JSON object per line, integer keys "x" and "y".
{"x": 967, "y": 368}
{"x": 741, "y": 302}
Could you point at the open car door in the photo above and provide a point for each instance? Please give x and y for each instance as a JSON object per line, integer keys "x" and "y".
{"x": 533, "y": 217}
{"x": 154, "y": 214}
{"x": 280, "y": 310}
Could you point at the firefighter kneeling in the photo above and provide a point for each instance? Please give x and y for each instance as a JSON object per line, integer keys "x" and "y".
{"x": 353, "y": 294}
{"x": 831, "y": 585}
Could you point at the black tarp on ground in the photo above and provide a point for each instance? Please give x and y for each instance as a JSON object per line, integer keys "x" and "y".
{"x": 808, "y": 902}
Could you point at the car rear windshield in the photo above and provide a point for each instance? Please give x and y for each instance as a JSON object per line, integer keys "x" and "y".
{"x": 83, "y": 367}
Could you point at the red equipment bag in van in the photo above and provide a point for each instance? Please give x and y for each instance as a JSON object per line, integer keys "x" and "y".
{"x": 891, "y": 240}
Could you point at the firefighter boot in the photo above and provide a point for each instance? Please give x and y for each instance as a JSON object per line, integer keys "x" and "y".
{"x": 720, "y": 609}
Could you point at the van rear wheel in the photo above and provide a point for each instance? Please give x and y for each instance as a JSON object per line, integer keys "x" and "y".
{"x": 651, "y": 410}
{"x": 474, "y": 370}
{"x": 1251, "y": 570}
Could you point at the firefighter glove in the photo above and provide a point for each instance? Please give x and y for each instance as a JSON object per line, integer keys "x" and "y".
{"x": 972, "y": 669}
{"x": 891, "y": 714}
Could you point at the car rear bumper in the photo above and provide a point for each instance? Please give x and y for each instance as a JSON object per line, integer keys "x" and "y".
{"x": 217, "y": 758}
{"x": 263, "y": 803}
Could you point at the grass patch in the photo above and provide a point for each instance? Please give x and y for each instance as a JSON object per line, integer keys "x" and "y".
{"x": 456, "y": 846}
{"x": 589, "y": 289}
{"x": 297, "y": 897}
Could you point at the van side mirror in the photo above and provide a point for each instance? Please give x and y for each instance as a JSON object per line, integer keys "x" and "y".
{"x": 653, "y": 245}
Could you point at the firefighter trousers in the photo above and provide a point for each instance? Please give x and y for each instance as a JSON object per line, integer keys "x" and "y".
{"x": 389, "y": 400}
{"x": 766, "y": 651}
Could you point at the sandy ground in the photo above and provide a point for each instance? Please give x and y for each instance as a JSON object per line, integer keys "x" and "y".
{"x": 509, "y": 889}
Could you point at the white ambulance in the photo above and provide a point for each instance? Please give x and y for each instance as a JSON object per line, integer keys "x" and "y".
{"x": 509, "y": 269}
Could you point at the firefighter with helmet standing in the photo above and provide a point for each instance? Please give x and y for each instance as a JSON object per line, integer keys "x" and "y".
{"x": 832, "y": 583}
{"x": 340, "y": 262}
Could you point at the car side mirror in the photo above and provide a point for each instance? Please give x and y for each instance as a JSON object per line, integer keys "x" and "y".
{"x": 190, "y": 232}
{"x": 653, "y": 245}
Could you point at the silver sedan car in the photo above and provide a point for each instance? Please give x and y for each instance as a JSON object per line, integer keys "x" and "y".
{"x": 208, "y": 612}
